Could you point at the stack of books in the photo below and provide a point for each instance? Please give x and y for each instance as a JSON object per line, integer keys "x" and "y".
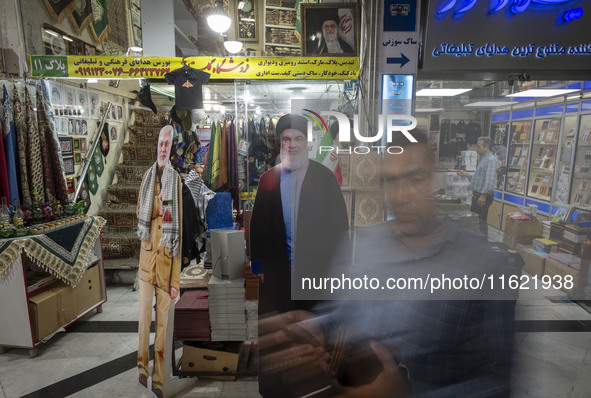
{"x": 546, "y": 228}
{"x": 191, "y": 316}
{"x": 570, "y": 260}
{"x": 573, "y": 237}
{"x": 545, "y": 245}
{"x": 227, "y": 314}
{"x": 556, "y": 230}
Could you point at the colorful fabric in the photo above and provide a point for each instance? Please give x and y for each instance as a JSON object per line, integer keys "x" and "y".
{"x": 105, "y": 142}
{"x": 211, "y": 160}
{"x": 223, "y": 178}
{"x": 58, "y": 9}
{"x": 91, "y": 173}
{"x": 63, "y": 252}
{"x": 10, "y": 149}
{"x": 34, "y": 162}
{"x": 4, "y": 189}
{"x": 55, "y": 183}
{"x": 81, "y": 16}
{"x": 170, "y": 220}
{"x": 45, "y": 88}
{"x": 100, "y": 24}
{"x": 233, "y": 165}
{"x": 22, "y": 143}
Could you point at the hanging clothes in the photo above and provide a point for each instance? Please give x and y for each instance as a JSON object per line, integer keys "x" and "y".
{"x": 34, "y": 162}
{"x": 10, "y": 149}
{"x": 209, "y": 166}
{"x": 223, "y": 179}
{"x": 217, "y": 152}
{"x": 55, "y": 184}
{"x": 233, "y": 166}
{"x": 20, "y": 128}
{"x": 4, "y": 189}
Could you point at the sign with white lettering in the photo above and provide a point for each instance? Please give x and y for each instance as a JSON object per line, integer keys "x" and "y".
{"x": 507, "y": 36}
{"x": 398, "y": 42}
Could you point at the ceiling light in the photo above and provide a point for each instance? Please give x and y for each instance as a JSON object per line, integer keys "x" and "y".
{"x": 425, "y": 110}
{"x": 441, "y": 92}
{"x": 51, "y": 32}
{"x": 491, "y": 103}
{"x": 67, "y": 38}
{"x": 136, "y": 49}
{"x": 161, "y": 91}
{"x": 233, "y": 47}
{"x": 92, "y": 81}
{"x": 297, "y": 93}
{"x": 543, "y": 92}
{"x": 218, "y": 20}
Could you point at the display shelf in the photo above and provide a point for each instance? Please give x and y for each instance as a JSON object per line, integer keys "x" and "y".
{"x": 543, "y": 158}
{"x": 581, "y": 187}
{"x": 518, "y": 156}
{"x": 280, "y": 20}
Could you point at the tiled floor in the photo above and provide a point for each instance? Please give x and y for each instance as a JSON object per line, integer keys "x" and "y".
{"x": 96, "y": 358}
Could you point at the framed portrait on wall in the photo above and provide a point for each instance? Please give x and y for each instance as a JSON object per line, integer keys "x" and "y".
{"x": 330, "y": 29}
{"x": 77, "y": 158}
{"x": 69, "y": 166}
{"x": 114, "y": 136}
{"x": 246, "y": 28}
{"x": 66, "y": 145}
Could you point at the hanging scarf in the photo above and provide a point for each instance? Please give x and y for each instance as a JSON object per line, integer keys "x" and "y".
{"x": 223, "y": 178}
{"x": 21, "y": 139}
{"x": 233, "y": 165}
{"x": 34, "y": 163}
{"x": 217, "y": 153}
{"x": 210, "y": 159}
{"x": 55, "y": 183}
{"x": 170, "y": 225}
{"x": 10, "y": 149}
{"x": 4, "y": 190}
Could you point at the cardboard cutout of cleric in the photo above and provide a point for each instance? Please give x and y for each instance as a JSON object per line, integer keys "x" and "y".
{"x": 159, "y": 228}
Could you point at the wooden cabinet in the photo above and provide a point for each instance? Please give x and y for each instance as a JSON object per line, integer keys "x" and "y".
{"x": 34, "y": 307}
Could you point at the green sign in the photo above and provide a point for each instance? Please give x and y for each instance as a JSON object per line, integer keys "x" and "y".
{"x": 49, "y": 66}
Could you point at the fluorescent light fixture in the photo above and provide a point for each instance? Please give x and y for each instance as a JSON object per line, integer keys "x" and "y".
{"x": 426, "y": 110}
{"x": 222, "y": 109}
{"x": 51, "y": 32}
{"x": 136, "y": 49}
{"x": 92, "y": 81}
{"x": 247, "y": 19}
{"x": 441, "y": 92}
{"x": 163, "y": 92}
{"x": 218, "y": 20}
{"x": 67, "y": 38}
{"x": 572, "y": 97}
{"x": 492, "y": 103}
{"x": 233, "y": 47}
{"x": 543, "y": 92}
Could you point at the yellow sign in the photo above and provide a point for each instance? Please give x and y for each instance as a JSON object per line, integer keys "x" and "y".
{"x": 346, "y": 68}
{"x": 248, "y": 195}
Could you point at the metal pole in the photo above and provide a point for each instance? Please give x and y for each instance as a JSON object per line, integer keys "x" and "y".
{"x": 88, "y": 159}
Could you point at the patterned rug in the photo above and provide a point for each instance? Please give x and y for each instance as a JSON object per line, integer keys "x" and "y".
{"x": 62, "y": 252}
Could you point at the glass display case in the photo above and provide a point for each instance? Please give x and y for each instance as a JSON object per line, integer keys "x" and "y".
{"x": 564, "y": 163}
{"x": 543, "y": 157}
{"x": 581, "y": 187}
{"x": 518, "y": 156}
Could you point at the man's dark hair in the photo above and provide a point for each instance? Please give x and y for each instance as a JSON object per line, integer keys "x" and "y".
{"x": 291, "y": 121}
{"x": 486, "y": 141}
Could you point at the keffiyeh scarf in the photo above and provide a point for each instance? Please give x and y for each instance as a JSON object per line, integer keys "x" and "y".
{"x": 170, "y": 207}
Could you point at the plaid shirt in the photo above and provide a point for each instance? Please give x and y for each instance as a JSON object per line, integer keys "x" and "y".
{"x": 484, "y": 179}
{"x": 454, "y": 348}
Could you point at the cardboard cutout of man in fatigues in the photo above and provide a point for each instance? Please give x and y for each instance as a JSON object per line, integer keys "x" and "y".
{"x": 159, "y": 217}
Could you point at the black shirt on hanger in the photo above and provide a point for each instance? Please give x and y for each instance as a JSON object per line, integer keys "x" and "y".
{"x": 187, "y": 87}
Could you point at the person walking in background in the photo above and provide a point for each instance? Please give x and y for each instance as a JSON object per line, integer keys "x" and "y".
{"x": 483, "y": 182}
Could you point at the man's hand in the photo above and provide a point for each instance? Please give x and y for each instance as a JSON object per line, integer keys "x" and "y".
{"x": 173, "y": 293}
{"x": 481, "y": 200}
{"x": 462, "y": 173}
{"x": 391, "y": 382}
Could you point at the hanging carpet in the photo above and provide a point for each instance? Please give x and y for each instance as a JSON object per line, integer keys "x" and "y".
{"x": 10, "y": 149}
{"x": 20, "y": 127}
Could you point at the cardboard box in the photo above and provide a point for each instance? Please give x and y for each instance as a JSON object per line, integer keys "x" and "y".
{"x": 88, "y": 290}
{"x": 198, "y": 359}
{"x": 67, "y": 304}
{"x": 43, "y": 310}
{"x": 512, "y": 241}
{"x": 534, "y": 264}
{"x": 523, "y": 228}
{"x": 494, "y": 214}
{"x": 553, "y": 268}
